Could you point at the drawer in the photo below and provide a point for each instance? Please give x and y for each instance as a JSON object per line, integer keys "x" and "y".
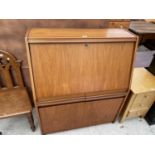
{"x": 75, "y": 115}
{"x": 138, "y": 112}
{"x": 143, "y": 100}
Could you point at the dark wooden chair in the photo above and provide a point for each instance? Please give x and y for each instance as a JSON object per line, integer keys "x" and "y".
{"x": 14, "y": 99}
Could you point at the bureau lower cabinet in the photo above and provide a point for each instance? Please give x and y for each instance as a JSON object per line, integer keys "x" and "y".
{"x": 79, "y": 77}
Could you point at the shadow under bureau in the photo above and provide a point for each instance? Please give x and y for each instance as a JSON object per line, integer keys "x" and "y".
{"x": 79, "y": 77}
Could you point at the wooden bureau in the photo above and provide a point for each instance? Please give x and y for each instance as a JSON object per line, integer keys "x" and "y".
{"x": 79, "y": 77}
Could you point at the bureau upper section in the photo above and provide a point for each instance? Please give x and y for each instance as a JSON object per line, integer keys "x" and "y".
{"x": 73, "y": 35}
{"x": 63, "y": 64}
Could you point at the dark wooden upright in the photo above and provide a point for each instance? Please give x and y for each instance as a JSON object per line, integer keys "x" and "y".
{"x": 143, "y": 29}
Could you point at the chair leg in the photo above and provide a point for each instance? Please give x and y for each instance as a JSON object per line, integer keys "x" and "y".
{"x": 0, "y": 133}
{"x": 31, "y": 121}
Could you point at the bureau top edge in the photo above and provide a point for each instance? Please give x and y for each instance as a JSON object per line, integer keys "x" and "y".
{"x": 40, "y": 34}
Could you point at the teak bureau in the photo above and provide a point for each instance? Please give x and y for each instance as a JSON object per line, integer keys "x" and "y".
{"x": 80, "y": 77}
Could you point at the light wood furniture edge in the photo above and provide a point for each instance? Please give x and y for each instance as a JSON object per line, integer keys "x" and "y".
{"x": 31, "y": 76}
{"x": 133, "y": 60}
{"x": 126, "y": 98}
{"x": 30, "y": 64}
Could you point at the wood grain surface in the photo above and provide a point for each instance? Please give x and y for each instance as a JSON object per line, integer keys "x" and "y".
{"x": 14, "y": 102}
{"x": 54, "y": 33}
{"x": 80, "y": 68}
{"x": 63, "y": 117}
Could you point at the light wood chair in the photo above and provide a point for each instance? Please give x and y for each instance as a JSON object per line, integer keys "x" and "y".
{"x": 14, "y": 99}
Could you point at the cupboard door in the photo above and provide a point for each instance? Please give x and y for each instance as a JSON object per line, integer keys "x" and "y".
{"x": 75, "y": 68}
{"x": 69, "y": 116}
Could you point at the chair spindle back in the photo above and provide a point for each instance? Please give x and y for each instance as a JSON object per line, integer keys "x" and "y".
{"x": 10, "y": 73}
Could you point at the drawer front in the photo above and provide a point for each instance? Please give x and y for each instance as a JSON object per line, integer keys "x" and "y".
{"x": 143, "y": 100}
{"x": 136, "y": 113}
{"x": 69, "y": 116}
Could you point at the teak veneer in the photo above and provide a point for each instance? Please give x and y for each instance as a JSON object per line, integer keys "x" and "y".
{"x": 79, "y": 77}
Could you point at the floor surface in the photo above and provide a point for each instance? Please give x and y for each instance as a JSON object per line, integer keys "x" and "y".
{"x": 137, "y": 126}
